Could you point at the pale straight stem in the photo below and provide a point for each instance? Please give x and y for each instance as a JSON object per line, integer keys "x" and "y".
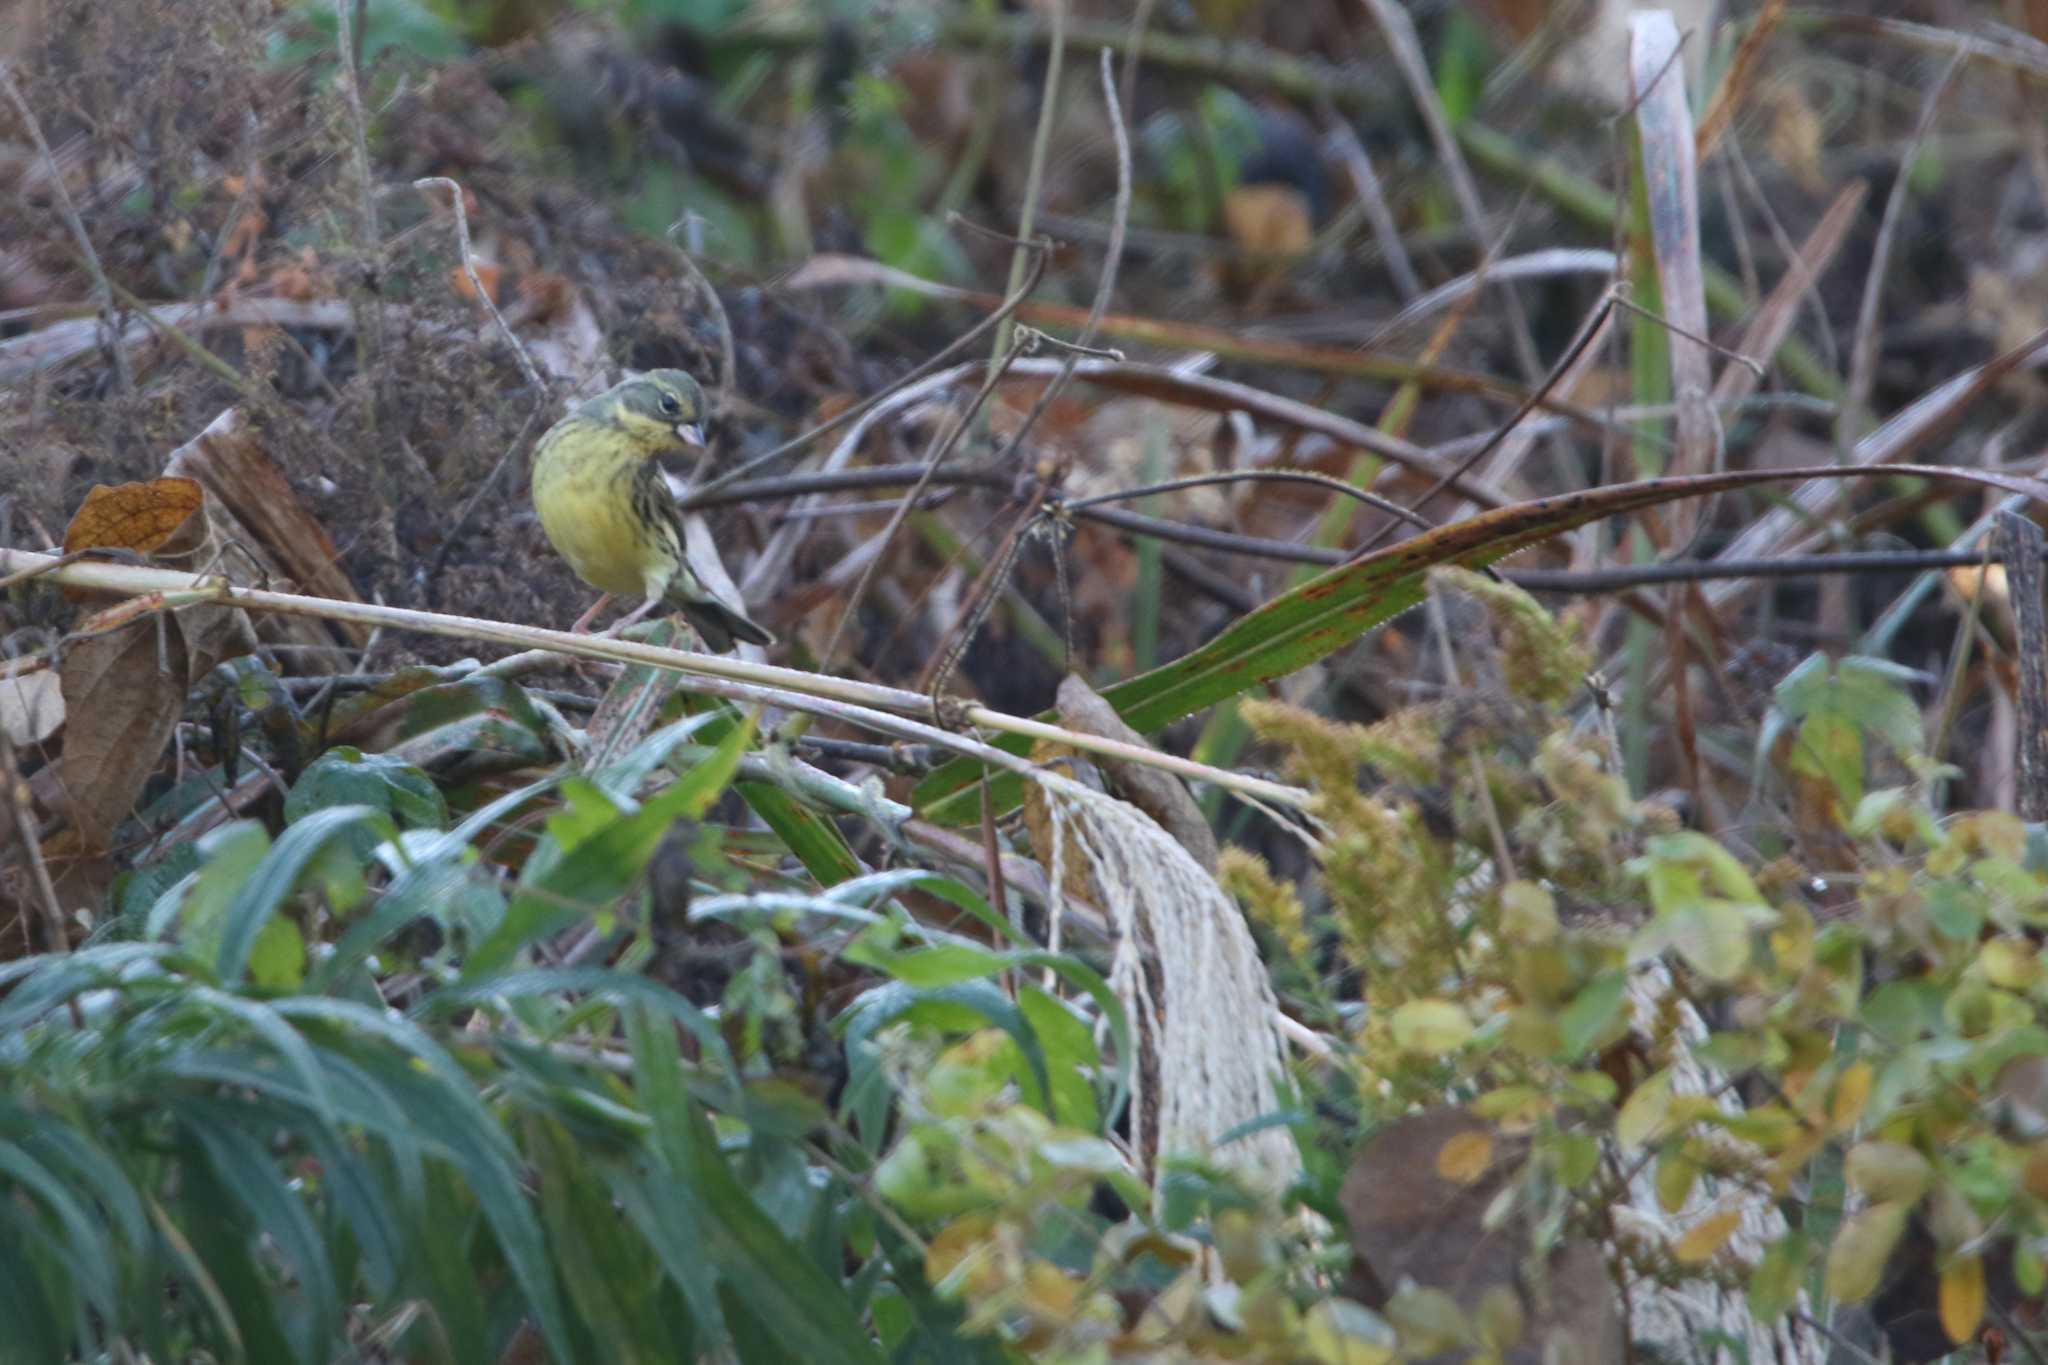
{"x": 476, "y": 283}
{"x": 867, "y": 704}
{"x": 17, "y": 797}
{"x": 1048, "y": 100}
{"x": 369, "y": 327}
{"x": 728, "y": 369}
{"x": 102, "y": 288}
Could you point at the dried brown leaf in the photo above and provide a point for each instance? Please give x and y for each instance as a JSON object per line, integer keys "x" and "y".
{"x": 123, "y": 692}
{"x": 141, "y": 517}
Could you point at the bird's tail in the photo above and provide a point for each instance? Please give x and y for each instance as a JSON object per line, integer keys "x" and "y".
{"x": 720, "y": 625}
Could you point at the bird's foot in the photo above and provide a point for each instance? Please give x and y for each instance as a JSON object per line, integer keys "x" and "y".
{"x": 582, "y": 626}
{"x": 632, "y": 617}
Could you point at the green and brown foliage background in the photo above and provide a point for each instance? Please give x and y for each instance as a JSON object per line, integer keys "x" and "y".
{"x": 1411, "y": 717}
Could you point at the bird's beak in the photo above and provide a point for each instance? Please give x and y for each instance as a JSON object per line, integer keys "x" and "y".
{"x": 691, "y": 432}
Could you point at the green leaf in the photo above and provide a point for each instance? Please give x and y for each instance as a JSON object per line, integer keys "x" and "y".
{"x": 344, "y": 776}
{"x": 1430, "y": 1028}
{"x": 1712, "y": 935}
{"x": 1071, "y": 1057}
{"x": 243, "y": 1168}
{"x": 1889, "y": 1172}
{"x": 1644, "y": 1113}
{"x": 1830, "y": 748}
{"x": 816, "y": 841}
{"x": 877, "y": 1007}
{"x": 1775, "y": 1283}
{"x": 621, "y": 779}
{"x": 476, "y": 717}
{"x": 268, "y": 1024}
{"x": 278, "y": 961}
{"x": 1592, "y": 1014}
{"x": 277, "y": 876}
{"x": 231, "y": 854}
{"x": 611, "y": 1277}
{"x": 1329, "y": 612}
{"x": 85, "y": 1249}
{"x": 37, "y": 1326}
{"x": 942, "y": 966}
{"x": 791, "y": 1300}
{"x": 603, "y": 854}
{"x": 448, "y": 1113}
{"x": 1857, "y": 1259}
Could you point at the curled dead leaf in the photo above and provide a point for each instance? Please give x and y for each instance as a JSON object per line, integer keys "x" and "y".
{"x": 155, "y": 517}
{"x": 31, "y": 706}
{"x": 123, "y": 692}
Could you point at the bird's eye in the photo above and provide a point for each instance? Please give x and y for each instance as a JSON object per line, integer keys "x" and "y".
{"x": 669, "y": 405}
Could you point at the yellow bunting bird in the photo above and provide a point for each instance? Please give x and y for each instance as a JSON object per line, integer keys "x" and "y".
{"x": 602, "y": 500}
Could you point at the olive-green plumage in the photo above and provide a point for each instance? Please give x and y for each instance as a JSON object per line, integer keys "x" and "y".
{"x": 602, "y": 501}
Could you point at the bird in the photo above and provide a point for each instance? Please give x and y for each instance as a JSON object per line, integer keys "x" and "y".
{"x": 606, "y": 509}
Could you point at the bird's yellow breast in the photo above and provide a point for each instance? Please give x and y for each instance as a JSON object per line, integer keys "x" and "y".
{"x": 583, "y": 477}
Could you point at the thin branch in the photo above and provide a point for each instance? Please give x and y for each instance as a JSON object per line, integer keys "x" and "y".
{"x": 1104, "y": 287}
{"x": 916, "y": 494}
{"x": 1863, "y": 350}
{"x": 1287, "y": 551}
{"x": 1073, "y": 352}
{"x": 1235, "y": 63}
{"x": 1034, "y": 172}
{"x": 18, "y": 799}
{"x": 882, "y": 709}
{"x": 728, "y": 370}
{"x": 1619, "y": 294}
{"x": 1579, "y": 343}
{"x": 102, "y": 287}
{"x": 2020, "y": 542}
{"x": 526, "y": 366}
{"x": 369, "y": 320}
{"x": 1323, "y": 481}
{"x": 1042, "y": 251}
{"x": 1365, "y": 183}
{"x": 453, "y": 536}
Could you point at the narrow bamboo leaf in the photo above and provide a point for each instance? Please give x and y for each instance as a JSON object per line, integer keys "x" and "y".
{"x": 272, "y": 1029}
{"x": 621, "y": 779}
{"x": 220, "y": 1246}
{"x": 245, "y": 1171}
{"x": 943, "y": 965}
{"x": 668, "y": 1224}
{"x": 451, "y": 1115}
{"x": 442, "y": 1227}
{"x": 605, "y": 863}
{"x": 792, "y": 1300}
{"x": 193, "y": 1272}
{"x": 278, "y": 875}
{"x": 814, "y": 840}
{"x": 231, "y": 855}
{"x": 358, "y": 1200}
{"x": 610, "y": 1277}
{"x": 35, "y": 1328}
{"x": 879, "y": 1006}
{"x": 84, "y": 1247}
{"x": 1070, "y": 1058}
{"x": 936, "y": 1335}
{"x": 67, "y": 1150}
{"x": 622, "y": 988}
{"x": 1330, "y": 611}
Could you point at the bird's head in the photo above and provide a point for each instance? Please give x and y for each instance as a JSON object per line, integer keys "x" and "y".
{"x": 660, "y": 408}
